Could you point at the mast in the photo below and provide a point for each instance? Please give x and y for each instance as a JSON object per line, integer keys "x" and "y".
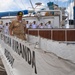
{"x": 31, "y": 4}
{"x": 74, "y": 9}
{"x": 74, "y": 13}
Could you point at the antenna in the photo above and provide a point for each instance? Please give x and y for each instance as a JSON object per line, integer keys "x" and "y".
{"x": 74, "y": 13}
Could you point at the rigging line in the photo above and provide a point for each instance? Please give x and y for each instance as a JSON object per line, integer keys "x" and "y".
{"x": 32, "y": 5}
{"x": 22, "y": 3}
{"x": 17, "y": 4}
{"x": 70, "y": 1}
{"x": 57, "y": 2}
{"x": 67, "y": 4}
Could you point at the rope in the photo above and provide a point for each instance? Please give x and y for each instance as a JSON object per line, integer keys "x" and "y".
{"x": 31, "y": 4}
{"x": 22, "y": 2}
{"x": 16, "y": 3}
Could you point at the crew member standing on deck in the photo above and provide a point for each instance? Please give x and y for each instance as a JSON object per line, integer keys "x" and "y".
{"x": 6, "y": 28}
{"x": 17, "y": 27}
{"x": 49, "y": 25}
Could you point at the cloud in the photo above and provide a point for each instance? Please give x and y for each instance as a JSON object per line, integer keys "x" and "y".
{"x": 14, "y": 5}
{"x": 4, "y": 5}
{"x": 70, "y": 10}
{"x": 62, "y": 0}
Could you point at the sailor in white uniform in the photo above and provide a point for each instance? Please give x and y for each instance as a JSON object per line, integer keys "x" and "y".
{"x": 41, "y": 26}
{"x": 49, "y": 24}
{"x": 6, "y": 29}
{"x": 34, "y": 25}
{"x": 27, "y": 24}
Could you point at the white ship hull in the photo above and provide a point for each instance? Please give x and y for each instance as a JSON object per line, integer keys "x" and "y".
{"x": 23, "y": 58}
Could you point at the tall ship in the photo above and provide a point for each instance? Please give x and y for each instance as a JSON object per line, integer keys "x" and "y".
{"x": 48, "y": 50}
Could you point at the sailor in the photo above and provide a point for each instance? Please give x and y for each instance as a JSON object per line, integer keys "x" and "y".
{"x": 41, "y": 25}
{"x": 30, "y": 25}
{"x": 9, "y": 23}
{"x": 6, "y": 28}
{"x": 45, "y": 26}
{"x": 27, "y": 24}
{"x": 17, "y": 27}
{"x": 49, "y": 24}
{"x": 34, "y": 25}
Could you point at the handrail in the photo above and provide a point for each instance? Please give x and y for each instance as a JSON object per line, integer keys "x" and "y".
{"x": 67, "y": 35}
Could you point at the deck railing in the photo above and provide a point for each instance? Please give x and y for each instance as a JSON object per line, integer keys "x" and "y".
{"x": 67, "y": 35}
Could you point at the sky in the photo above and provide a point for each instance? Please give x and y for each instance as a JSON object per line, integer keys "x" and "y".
{"x": 16, "y": 5}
